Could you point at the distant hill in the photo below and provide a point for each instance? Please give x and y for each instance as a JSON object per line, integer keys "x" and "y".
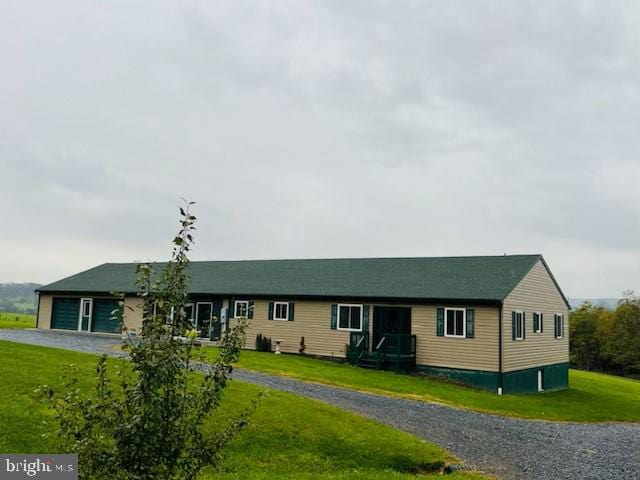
{"x": 611, "y": 303}
{"x": 18, "y": 297}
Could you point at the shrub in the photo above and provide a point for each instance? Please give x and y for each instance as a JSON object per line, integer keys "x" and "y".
{"x": 263, "y": 343}
{"x": 148, "y": 424}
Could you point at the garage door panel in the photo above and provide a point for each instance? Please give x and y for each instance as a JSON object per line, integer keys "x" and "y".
{"x": 101, "y": 320}
{"x": 65, "y": 313}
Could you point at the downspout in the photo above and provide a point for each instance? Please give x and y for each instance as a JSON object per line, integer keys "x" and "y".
{"x": 500, "y": 348}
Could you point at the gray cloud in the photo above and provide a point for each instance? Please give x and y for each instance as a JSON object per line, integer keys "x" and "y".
{"x": 322, "y": 129}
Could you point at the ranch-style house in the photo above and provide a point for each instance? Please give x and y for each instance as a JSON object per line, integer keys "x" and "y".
{"x": 496, "y": 322}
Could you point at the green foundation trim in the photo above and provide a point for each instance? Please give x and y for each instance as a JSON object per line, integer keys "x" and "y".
{"x": 477, "y": 378}
{"x": 554, "y": 377}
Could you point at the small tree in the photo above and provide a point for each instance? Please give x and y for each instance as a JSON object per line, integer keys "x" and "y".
{"x": 149, "y": 424}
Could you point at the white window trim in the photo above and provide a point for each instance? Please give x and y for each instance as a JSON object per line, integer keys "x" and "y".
{"x": 464, "y": 322}
{"x": 539, "y": 314}
{"x": 275, "y": 309}
{"x": 361, "y": 316}
{"x": 519, "y": 338}
{"x": 246, "y": 308}
{"x": 82, "y": 315}
{"x": 555, "y": 319}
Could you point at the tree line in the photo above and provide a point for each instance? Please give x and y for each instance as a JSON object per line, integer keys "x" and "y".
{"x": 607, "y": 340}
{"x": 18, "y": 297}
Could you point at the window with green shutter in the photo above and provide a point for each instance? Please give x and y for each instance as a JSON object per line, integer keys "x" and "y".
{"x": 350, "y": 317}
{"x": 241, "y": 308}
{"x": 537, "y": 322}
{"x": 440, "y": 322}
{"x": 559, "y": 325}
{"x": 334, "y": 317}
{"x": 365, "y": 318}
{"x": 455, "y": 322}
{"x": 471, "y": 316}
{"x": 517, "y": 326}
{"x": 281, "y": 311}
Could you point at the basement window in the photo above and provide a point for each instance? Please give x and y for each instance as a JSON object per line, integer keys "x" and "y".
{"x": 241, "y": 309}
{"x": 280, "y": 310}
{"x": 350, "y": 318}
{"x": 455, "y": 325}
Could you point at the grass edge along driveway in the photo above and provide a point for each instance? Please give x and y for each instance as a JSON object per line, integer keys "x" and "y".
{"x": 289, "y": 436}
{"x": 592, "y": 397}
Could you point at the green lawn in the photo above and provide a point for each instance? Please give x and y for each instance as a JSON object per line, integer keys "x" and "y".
{"x": 17, "y": 320}
{"x": 592, "y": 397}
{"x": 289, "y": 437}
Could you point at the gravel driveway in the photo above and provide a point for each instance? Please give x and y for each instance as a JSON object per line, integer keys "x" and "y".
{"x": 509, "y": 448}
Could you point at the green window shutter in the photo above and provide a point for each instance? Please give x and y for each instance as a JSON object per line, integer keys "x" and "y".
{"x": 270, "y": 310}
{"x": 541, "y": 322}
{"x": 232, "y": 308}
{"x": 365, "y": 318}
{"x": 334, "y": 316}
{"x": 561, "y": 326}
{"x": 555, "y": 323}
{"x": 291, "y": 307}
{"x": 536, "y": 322}
{"x": 513, "y": 326}
{"x": 440, "y": 322}
{"x": 250, "y": 310}
{"x": 471, "y": 314}
{"x": 524, "y": 326}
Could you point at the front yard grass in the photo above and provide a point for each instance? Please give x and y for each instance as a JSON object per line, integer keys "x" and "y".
{"x": 592, "y": 397}
{"x": 289, "y": 436}
{"x": 17, "y": 320}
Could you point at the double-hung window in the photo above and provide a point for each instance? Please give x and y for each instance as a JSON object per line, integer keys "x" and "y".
{"x": 518, "y": 334}
{"x": 455, "y": 322}
{"x": 537, "y": 322}
{"x": 281, "y": 310}
{"x": 350, "y": 317}
{"x": 559, "y": 324}
{"x": 241, "y": 309}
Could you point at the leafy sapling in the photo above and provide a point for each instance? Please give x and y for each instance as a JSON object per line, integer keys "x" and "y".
{"x": 148, "y": 422}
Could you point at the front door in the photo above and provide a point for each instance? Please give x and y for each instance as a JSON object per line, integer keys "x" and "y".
{"x": 204, "y": 314}
{"x": 390, "y": 320}
{"x": 85, "y": 314}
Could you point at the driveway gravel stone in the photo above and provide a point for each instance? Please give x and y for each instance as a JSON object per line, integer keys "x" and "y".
{"x": 506, "y": 447}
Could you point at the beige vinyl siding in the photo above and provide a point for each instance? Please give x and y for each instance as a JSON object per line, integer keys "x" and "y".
{"x": 536, "y": 292}
{"x": 312, "y": 321}
{"x": 133, "y": 313}
{"x": 44, "y": 311}
{"x": 479, "y": 353}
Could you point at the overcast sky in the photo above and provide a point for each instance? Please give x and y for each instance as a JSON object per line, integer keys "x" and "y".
{"x": 322, "y": 129}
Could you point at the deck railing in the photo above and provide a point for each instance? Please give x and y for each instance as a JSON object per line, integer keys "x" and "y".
{"x": 400, "y": 344}
{"x": 358, "y": 345}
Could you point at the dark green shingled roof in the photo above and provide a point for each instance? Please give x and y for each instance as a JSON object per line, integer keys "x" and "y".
{"x": 489, "y": 278}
